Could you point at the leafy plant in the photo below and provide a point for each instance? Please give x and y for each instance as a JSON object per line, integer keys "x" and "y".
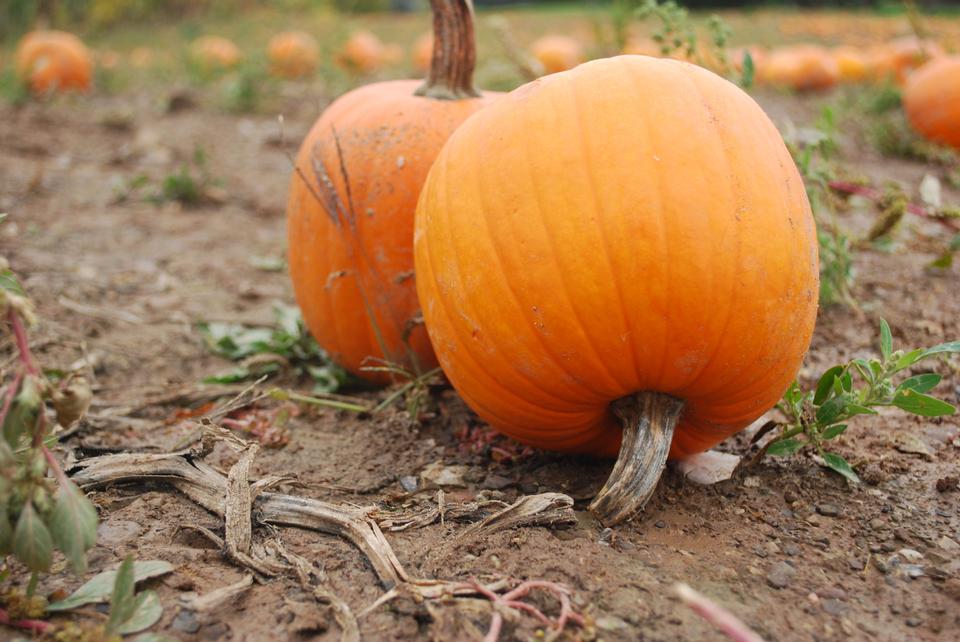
{"x": 813, "y": 149}
{"x": 37, "y": 514}
{"x": 858, "y": 388}
{"x": 190, "y": 184}
{"x": 266, "y": 351}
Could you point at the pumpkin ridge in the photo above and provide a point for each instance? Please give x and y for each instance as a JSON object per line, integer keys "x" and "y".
{"x": 510, "y": 287}
{"x": 563, "y": 283}
{"x": 586, "y": 167}
{"x": 444, "y": 306}
{"x": 737, "y": 189}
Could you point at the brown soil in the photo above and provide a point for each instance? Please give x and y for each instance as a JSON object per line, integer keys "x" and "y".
{"x": 144, "y": 275}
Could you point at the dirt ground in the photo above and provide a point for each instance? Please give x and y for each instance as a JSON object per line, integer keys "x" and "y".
{"x": 793, "y": 550}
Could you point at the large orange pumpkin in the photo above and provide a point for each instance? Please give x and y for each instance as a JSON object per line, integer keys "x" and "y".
{"x": 362, "y": 53}
{"x": 657, "y": 258}
{"x": 212, "y": 53}
{"x": 932, "y": 100}
{"x": 557, "y": 53}
{"x": 49, "y": 61}
{"x": 293, "y": 54}
{"x": 353, "y": 197}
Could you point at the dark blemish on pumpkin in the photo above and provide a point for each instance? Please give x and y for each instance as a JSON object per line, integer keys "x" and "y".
{"x": 333, "y": 276}
{"x": 403, "y": 276}
{"x": 370, "y": 211}
{"x": 475, "y": 334}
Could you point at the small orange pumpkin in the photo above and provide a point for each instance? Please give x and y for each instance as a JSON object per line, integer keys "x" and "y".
{"x": 50, "y": 61}
{"x": 800, "y": 67}
{"x": 931, "y": 100}
{"x": 293, "y": 54}
{"x": 656, "y": 262}
{"x": 852, "y": 64}
{"x": 362, "y": 53}
{"x": 557, "y": 53}
{"x": 353, "y": 196}
{"x": 215, "y": 52}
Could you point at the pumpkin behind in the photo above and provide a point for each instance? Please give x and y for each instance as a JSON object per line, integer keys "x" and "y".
{"x": 50, "y": 61}
{"x": 931, "y": 100}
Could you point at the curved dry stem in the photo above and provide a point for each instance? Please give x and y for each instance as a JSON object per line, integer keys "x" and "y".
{"x": 454, "y": 52}
{"x": 648, "y": 420}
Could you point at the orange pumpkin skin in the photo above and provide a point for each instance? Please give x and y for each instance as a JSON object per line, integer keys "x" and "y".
{"x": 215, "y": 52}
{"x": 293, "y": 54}
{"x": 363, "y": 53}
{"x": 356, "y": 264}
{"x": 557, "y": 53}
{"x": 931, "y": 99}
{"x": 51, "y": 61}
{"x": 663, "y": 243}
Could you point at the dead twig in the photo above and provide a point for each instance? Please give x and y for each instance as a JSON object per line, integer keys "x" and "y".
{"x": 546, "y": 509}
{"x": 214, "y": 599}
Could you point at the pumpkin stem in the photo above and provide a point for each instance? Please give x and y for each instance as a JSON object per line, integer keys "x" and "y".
{"x": 454, "y": 52}
{"x": 648, "y": 420}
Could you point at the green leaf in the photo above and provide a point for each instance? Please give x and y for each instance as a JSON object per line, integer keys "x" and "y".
{"x": 910, "y": 358}
{"x": 839, "y": 464}
{"x": 943, "y": 262}
{"x": 834, "y": 431}
{"x": 9, "y": 282}
{"x": 825, "y": 385}
{"x": 147, "y": 610}
{"x": 99, "y": 587}
{"x": 73, "y": 525}
{"x": 921, "y": 404}
{"x": 749, "y": 71}
{"x": 32, "y": 543}
{"x": 920, "y": 383}
{"x": 122, "y": 602}
{"x": 828, "y": 412}
{"x": 784, "y": 447}
{"x": 854, "y": 409}
{"x": 951, "y": 347}
{"x": 6, "y": 531}
{"x": 886, "y": 340}
{"x": 25, "y": 412}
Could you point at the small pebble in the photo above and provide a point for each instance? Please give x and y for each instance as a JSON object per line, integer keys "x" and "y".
{"x": 857, "y": 564}
{"x": 834, "y": 607}
{"x": 185, "y": 622}
{"x": 780, "y": 575}
{"x": 790, "y": 497}
{"x": 408, "y": 483}
{"x": 832, "y": 593}
{"x": 876, "y": 524}
{"x": 660, "y": 524}
{"x": 792, "y": 550}
{"x": 914, "y": 622}
{"x": 828, "y": 510}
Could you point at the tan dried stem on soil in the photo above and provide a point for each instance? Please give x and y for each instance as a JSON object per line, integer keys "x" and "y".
{"x": 233, "y": 498}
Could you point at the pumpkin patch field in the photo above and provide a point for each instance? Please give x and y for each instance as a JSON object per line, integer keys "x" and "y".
{"x": 433, "y": 321}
